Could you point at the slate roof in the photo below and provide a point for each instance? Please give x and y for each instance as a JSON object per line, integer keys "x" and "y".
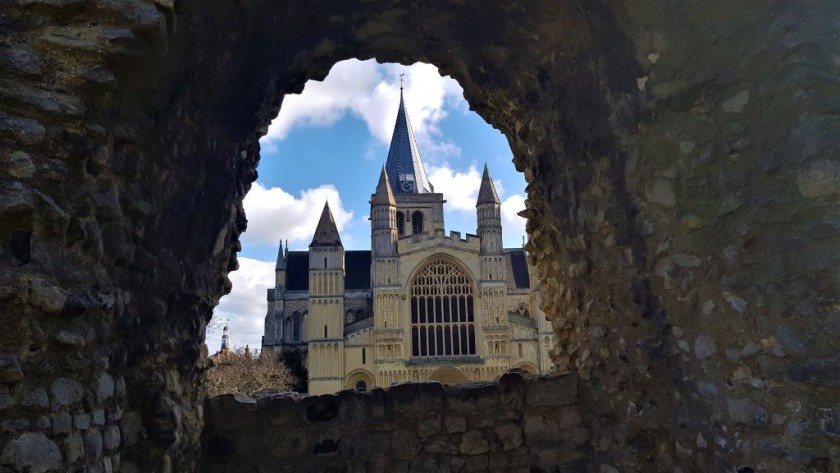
{"x": 404, "y": 167}
{"x": 517, "y": 268}
{"x": 356, "y": 270}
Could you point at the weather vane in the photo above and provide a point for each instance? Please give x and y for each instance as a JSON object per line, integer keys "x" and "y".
{"x": 401, "y": 81}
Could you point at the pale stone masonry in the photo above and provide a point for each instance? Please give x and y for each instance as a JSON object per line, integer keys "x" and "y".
{"x": 421, "y": 305}
{"x": 517, "y": 424}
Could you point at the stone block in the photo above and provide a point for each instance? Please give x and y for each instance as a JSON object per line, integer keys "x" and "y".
{"x": 509, "y": 435}
{"x": 429, "y": 426}
{"x": 472, "y": 397}
{"x": 748, "y": 412}
{"x": 454, "y": 424}
{"x": 104, "y": 387}
{"x": 473, "y": 443}
{"x": 81, "y": 421}
{"x": 36, "y": 398}
{"x": 32, "y": 452}
{"x": 552, "y": 391}
{"x": 65, "y": 392}
{"x": 93, "y": 445}
{"x": 405, "y": 443}
{"x": 10, "y": 369}
{"x": 111, "y": 437}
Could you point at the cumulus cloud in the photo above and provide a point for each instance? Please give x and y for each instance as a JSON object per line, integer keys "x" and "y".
{"x": 513, "y": 224}
{"x": 274, "y": 214}
{"x": 244, "y": 308}
{"x": 371, "y": 92}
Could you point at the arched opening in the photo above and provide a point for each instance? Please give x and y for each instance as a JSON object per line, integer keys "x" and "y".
{"x": 618, "y": 113}
{"x": 449, "y": 375}
{"x": 400, "y": 223}
{"x": 417, "y": 220}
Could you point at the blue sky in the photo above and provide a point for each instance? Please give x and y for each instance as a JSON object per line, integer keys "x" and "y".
{"x": 330, "y": 142}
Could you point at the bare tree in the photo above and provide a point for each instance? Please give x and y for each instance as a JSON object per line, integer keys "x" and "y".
{"x": 247, "y": 373}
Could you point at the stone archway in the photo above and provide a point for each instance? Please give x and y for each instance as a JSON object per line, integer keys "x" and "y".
{"x": 673, "y": 234}
{"x": 448, "y": 375}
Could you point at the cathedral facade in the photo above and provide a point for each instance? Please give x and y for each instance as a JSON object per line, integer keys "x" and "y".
{"x": 421, "y": 304}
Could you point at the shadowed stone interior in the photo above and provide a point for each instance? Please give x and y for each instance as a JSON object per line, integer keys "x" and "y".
{"x": 682, "y": 171}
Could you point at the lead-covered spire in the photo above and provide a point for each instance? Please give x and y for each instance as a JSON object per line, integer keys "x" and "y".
{"x": 404, "y": 167}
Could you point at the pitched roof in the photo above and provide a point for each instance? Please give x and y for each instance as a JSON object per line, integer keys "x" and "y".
{"x": 517, "y": 268}
{"x": 404, "y": 167}
{"x": 326, "y": 233}
{"x": 383, "y": 194}
{"x": 487, "y": 192}
{"x": 356, "y": 270}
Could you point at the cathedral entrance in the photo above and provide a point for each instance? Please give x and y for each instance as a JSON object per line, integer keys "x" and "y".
{"x": 449, "y": 375}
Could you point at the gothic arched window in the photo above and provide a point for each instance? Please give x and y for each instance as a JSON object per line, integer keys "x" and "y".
{"x": 400, "y": 223}
{"x": 417, "y": 222}
{"x": 442, "y": 311}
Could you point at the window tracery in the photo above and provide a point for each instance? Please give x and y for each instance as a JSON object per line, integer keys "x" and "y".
{"x": 442, "y": 312}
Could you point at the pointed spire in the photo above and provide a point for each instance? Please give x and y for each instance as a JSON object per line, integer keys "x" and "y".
{"x": 404, "y": 167}
{"x": 326, "y": 233}
{"x": 383, "y": 194}
{"x": 487, "y": 192}
{"x": 281, "y": 257}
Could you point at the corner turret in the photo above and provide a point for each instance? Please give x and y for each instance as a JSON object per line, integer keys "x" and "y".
{"x": 383, "y": 217}
{"x": 488, "y": 210}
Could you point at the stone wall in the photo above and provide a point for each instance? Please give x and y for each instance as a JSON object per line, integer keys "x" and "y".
{"x": 682, "y": 169}
{"x": 513, "y": 425}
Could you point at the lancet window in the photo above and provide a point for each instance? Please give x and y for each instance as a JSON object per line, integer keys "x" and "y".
{"x": 442, "y": 312}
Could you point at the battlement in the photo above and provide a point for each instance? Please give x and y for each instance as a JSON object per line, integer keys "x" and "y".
{"x": 439, "y": 238}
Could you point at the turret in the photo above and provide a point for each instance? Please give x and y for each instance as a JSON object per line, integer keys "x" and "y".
{"x": 383, "y": 218}
{"x": 325, "y": 323}
{"x": 489, "y": 216}
{"x": 225, "y": 339}
{"x": 280, "y": 268}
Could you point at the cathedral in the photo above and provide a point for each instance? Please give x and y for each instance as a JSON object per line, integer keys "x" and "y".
{"x": 420, "y": 304}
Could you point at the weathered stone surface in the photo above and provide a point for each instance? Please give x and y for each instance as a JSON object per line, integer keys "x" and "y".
{"x": 509, "y": 435}
{"x": 474, "y": 443}
{"x": 747, "y": 411}
{"x": 819, "y": 179}
{"x": 25, "y": 130}
{"x": 824, "y": 372}
{"x": 32, "y": 452}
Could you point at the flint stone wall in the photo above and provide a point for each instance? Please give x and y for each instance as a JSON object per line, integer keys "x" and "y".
{"x": 515, "y": 424}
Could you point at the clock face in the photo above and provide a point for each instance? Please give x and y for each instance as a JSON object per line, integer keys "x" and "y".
{"x": 406, "y": 186}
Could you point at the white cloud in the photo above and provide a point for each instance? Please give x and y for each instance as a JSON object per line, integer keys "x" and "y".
{"x": 460, "y": 189}
{"x": 371, "y": 92}
{"x": 513, "y": 224}
{"x": 274, "y": 214}
{"x": 244, "y": 308}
